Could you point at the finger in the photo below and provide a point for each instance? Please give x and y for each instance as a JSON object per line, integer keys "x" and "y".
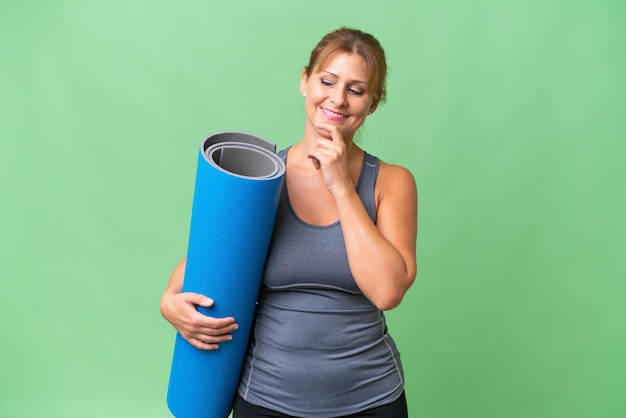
{"x": 197, "y": 299}
{"x": 202, "y": 345}
{"x": 204, "y": 323}
{"x": 211, "y": 338}
{"x": 202, "y": 300}
{"x": 316, "y": 158}
{"x": 326, "y": 146}
{"x": 199, "y": 318}
{"x": 327, "y": 154}
{"x": 333, "y": 131}
{"x": 322, "y": 156}
{"x": 213, "y": 331}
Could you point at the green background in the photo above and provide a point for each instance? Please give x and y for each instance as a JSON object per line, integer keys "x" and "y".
{"x": 509, "y": 114}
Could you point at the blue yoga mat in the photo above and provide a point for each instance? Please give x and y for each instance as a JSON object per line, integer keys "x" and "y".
{"x": 238, "y": 183}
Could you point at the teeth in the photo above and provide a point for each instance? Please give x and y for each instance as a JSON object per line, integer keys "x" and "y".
{"x": 337, "y": 115}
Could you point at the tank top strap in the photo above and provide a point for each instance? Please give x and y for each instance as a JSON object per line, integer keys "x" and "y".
{"x": 367, "y": 183}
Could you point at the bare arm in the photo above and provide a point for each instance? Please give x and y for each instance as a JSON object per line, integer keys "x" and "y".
{"x": 203, "y": 332}
{"x": 382, "y": 256}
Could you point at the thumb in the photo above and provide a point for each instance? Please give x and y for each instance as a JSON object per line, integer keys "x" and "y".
{"x": 201, "y": 300}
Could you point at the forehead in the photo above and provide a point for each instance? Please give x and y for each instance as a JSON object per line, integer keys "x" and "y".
{"x": 347, "y": 65}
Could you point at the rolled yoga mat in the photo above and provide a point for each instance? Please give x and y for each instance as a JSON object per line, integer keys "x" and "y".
{"x": 238, "y": 183}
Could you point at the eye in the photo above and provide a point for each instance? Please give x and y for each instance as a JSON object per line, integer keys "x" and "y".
{"x": 356, "y": 92}
{"x": 326, "y": 82}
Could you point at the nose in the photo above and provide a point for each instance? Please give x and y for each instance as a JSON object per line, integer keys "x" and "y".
{"x": 338, "y": 97}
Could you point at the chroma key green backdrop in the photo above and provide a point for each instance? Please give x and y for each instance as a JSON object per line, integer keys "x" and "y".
{"x": 510, "y": 114}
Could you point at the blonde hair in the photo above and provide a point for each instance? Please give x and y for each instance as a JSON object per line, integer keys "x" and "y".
{"x": 354, "y": 41}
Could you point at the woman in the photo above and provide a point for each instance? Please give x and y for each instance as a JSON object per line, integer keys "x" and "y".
{"x": 342, "y": 251}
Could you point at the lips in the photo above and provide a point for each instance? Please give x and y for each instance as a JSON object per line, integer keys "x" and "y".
{"x": 334, "y": 116}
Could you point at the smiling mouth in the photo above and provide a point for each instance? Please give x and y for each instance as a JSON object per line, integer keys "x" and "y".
{"x": 333, "y": 115}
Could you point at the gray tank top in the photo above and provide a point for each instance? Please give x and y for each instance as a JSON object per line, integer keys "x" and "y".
{"x": 319, "y": 347}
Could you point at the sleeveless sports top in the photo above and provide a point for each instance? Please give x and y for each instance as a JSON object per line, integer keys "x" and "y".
{"x": 319, "y": 347}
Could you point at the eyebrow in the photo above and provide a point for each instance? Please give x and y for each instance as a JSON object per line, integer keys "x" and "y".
{"x": 335, "y": 75}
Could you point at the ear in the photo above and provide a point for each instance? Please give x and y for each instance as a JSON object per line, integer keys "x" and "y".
{"x": 304, "y": 79}
{"x": 373, "y": 106}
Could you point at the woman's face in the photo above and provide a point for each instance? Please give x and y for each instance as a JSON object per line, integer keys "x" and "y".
{"x": 338, "y": 93}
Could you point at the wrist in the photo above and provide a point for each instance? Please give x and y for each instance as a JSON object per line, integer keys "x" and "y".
{"x": 343, "y": 191}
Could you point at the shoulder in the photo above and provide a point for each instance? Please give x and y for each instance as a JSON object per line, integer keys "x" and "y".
{"x": 283, "y": 153}
{"x": 396, "y": 180}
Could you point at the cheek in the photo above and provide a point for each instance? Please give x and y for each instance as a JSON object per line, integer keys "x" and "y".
{"x": 362, "y": 109}
{"x": 315, "y": 94}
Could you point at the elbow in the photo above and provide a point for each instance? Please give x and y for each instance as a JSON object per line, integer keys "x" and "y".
{"x": 388, "y": 304}
{"x": 391, "y": 299}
